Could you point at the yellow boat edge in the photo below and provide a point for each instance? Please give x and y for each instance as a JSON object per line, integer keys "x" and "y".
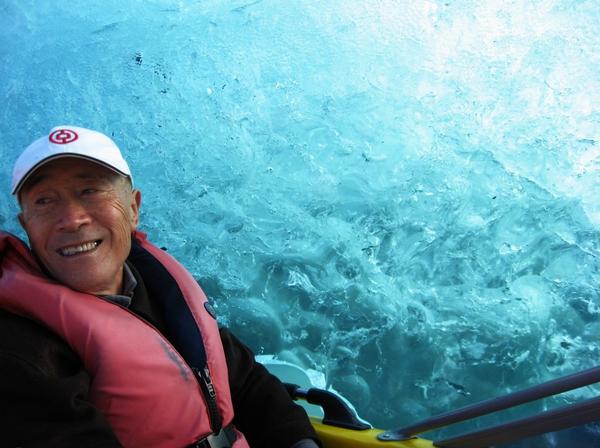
{"x": 335, "y": 437}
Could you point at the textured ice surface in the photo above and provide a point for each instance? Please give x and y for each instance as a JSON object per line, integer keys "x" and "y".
{"x": 402, "y": 195}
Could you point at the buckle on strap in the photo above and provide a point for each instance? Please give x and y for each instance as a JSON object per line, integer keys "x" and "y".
{"x": 223, "y": 439}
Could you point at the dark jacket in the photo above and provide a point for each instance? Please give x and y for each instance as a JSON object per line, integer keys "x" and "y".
{"x": 44, "y": 388}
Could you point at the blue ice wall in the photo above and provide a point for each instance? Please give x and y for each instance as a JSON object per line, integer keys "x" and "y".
{"x": 403, "y": 195}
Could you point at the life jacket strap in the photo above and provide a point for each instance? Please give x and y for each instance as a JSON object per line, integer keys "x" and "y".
{"x": 223, "y": 439}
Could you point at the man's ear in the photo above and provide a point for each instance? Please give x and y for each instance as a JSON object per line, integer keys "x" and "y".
{"x": 136, "y": 202}
{"x": 22, "y": 221}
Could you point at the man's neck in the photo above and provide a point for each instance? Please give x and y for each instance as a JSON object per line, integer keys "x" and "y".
{"x": 128, "y": 286}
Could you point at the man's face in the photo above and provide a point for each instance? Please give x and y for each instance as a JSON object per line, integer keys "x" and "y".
{"x": 79, "y": 217}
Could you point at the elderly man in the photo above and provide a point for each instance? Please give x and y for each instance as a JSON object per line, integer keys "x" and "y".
{"x": 106, "y": 340}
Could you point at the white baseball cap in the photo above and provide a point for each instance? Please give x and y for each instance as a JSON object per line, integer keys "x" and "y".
{"x": 68, "y": 141}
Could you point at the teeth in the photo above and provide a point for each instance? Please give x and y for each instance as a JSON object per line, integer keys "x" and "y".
{"x": 85, "y": 247}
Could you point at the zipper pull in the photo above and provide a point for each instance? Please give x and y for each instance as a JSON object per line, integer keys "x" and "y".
{"x": 210, "y": 394}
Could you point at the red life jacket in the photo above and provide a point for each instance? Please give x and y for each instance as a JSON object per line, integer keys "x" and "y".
{"x": 143, "y": 385}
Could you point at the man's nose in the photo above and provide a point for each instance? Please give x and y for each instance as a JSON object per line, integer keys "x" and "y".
{"x": 73, "y": 215}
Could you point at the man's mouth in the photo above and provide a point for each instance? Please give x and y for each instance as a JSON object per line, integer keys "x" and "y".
{"x": 79, "y": 249}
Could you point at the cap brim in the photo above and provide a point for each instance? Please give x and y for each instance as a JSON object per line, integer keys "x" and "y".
{"x": 42, "y": 162}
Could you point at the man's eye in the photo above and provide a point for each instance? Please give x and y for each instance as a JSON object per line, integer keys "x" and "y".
{"x": 89, "y": 191}
{"x": 42, "y": 201}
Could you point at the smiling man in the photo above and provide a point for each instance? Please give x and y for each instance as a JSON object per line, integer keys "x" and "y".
{"x": 106, "y": 340}
{"x": 80, "y": 225}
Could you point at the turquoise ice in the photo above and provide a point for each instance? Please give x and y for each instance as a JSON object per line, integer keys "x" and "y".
{"x": 403, "y": 195}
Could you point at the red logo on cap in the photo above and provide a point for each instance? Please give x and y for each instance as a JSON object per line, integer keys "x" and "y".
{"x": 63, "y": 136}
